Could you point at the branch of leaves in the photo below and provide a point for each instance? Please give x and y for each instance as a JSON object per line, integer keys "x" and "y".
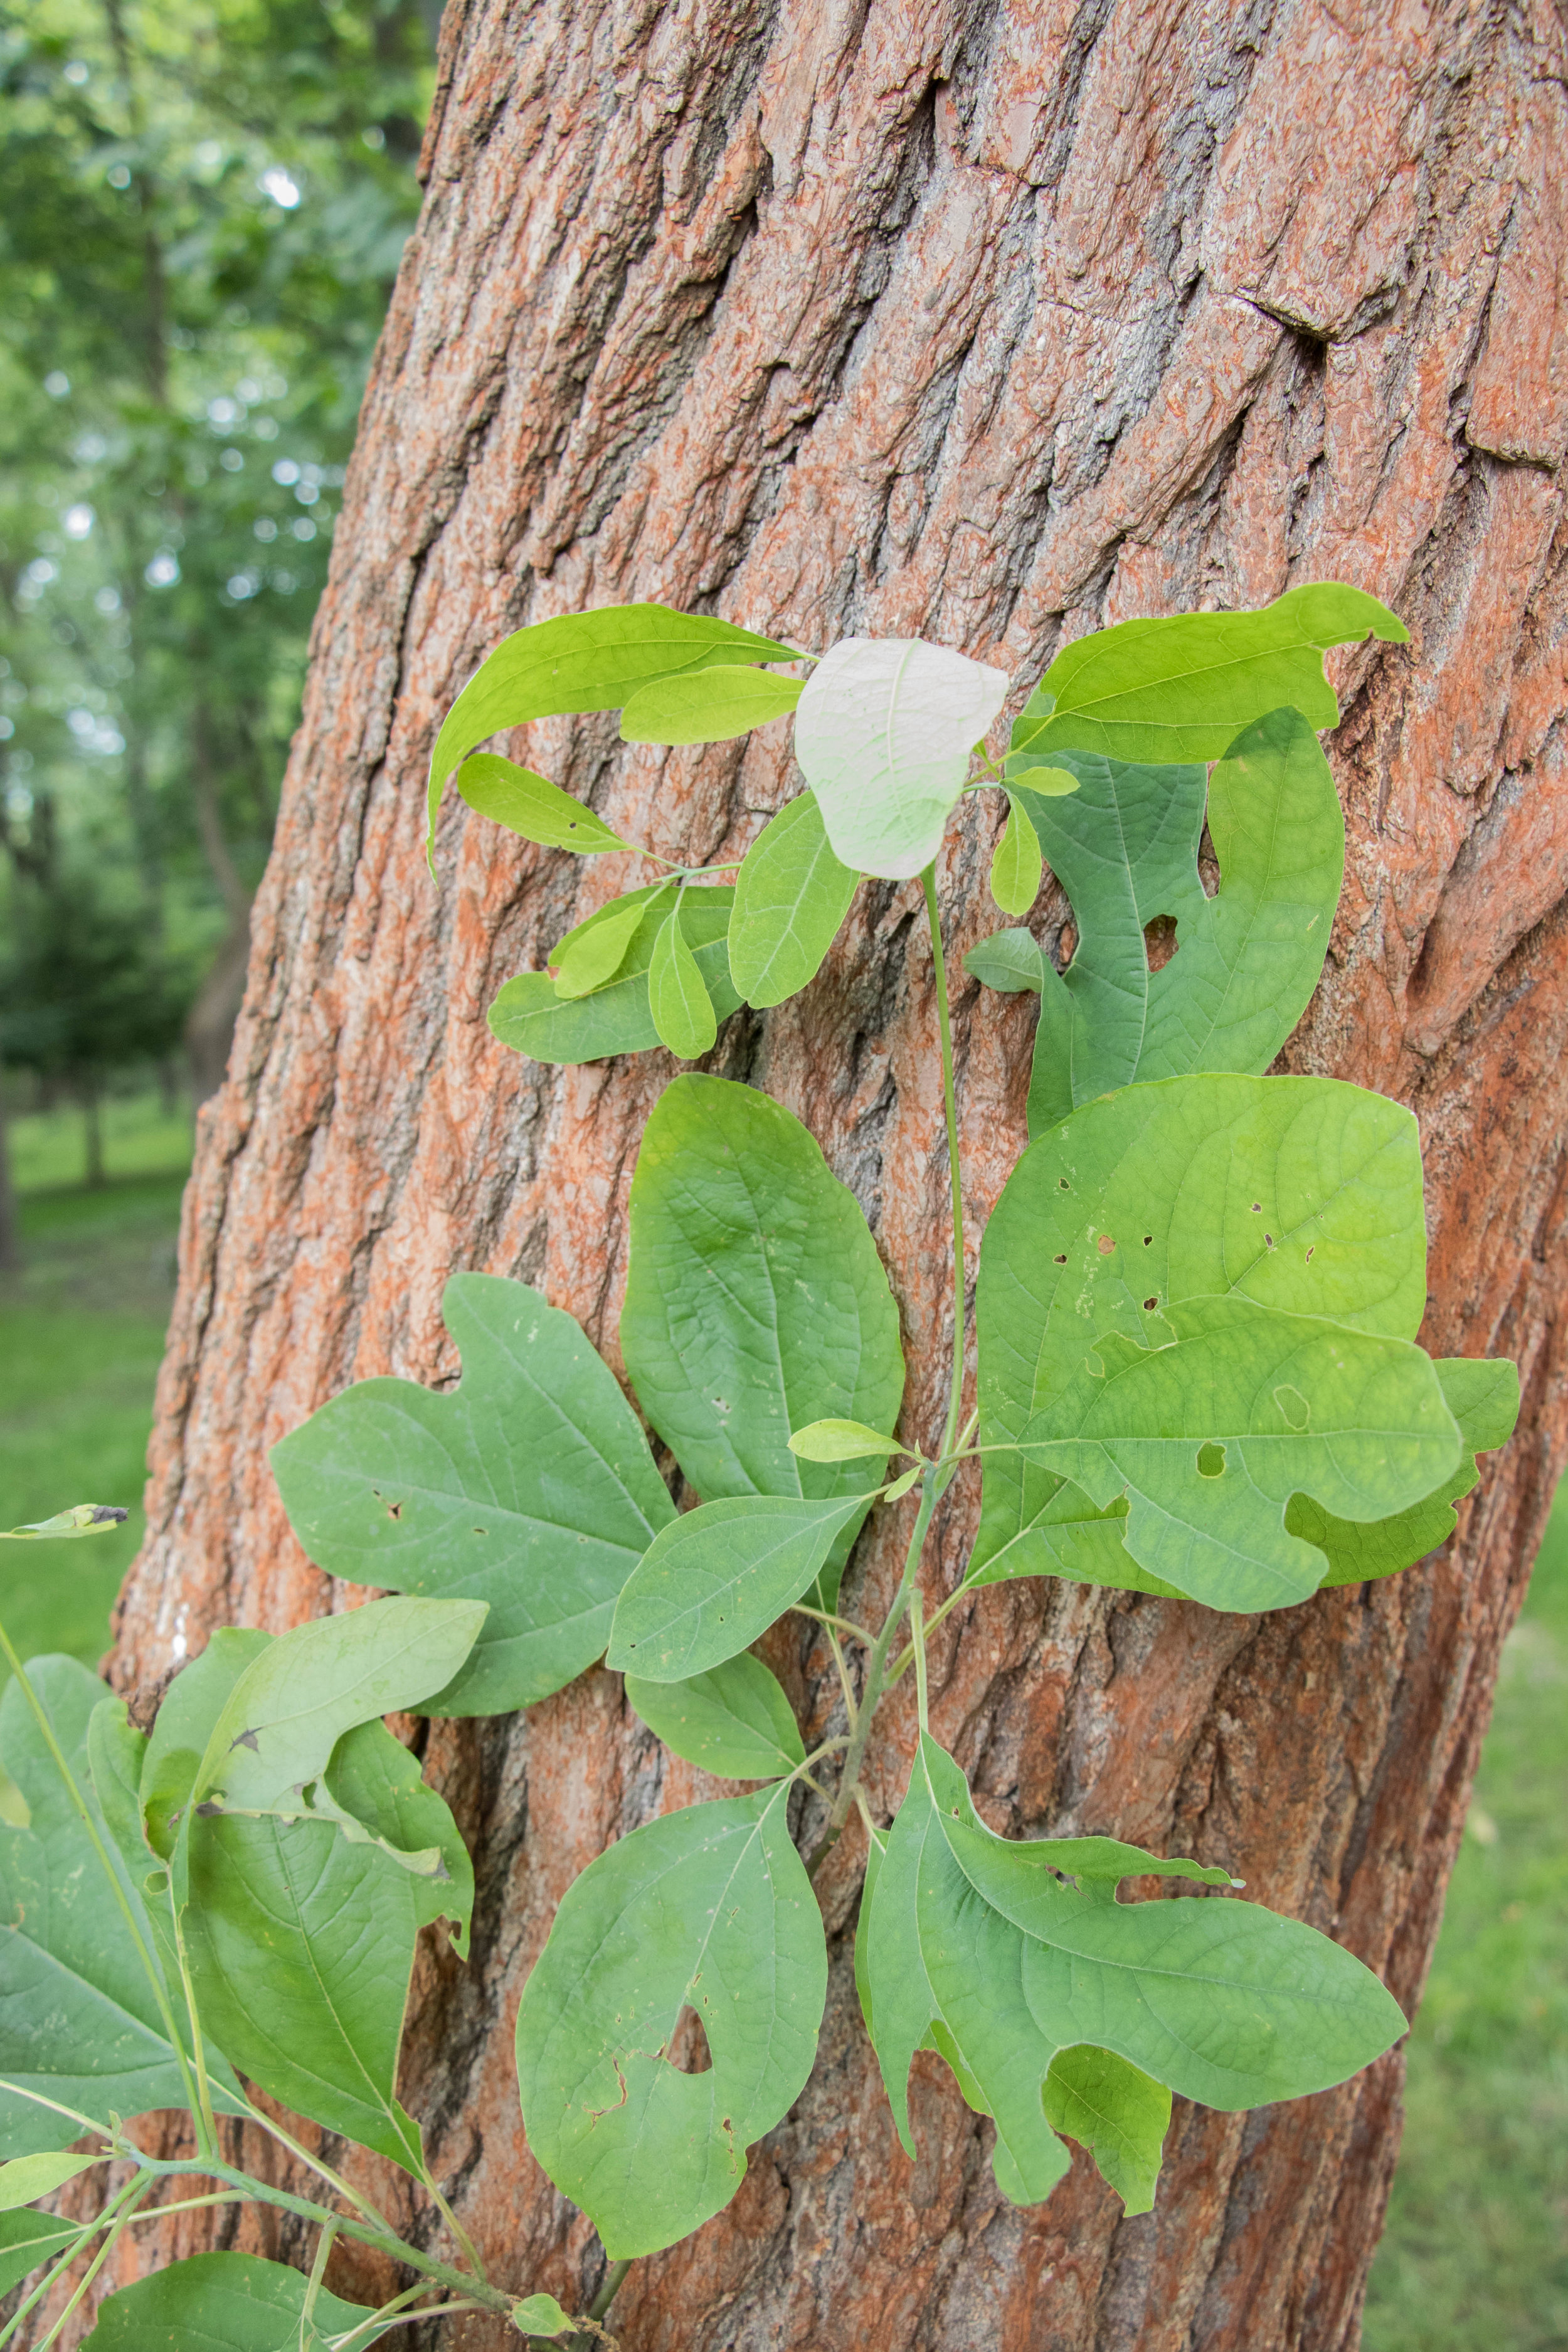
{"x": 1061, "y": 2009}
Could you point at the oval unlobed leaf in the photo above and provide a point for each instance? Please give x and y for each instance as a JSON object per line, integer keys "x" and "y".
{"x": 1017, "y": 866}
{"x": 227, "y": 2303}
{"x": 713, "y": 1582}
{"x": 884, "y": 735}
{"x": 792, "y": 895}
{"x": 1180, "y": 688}
{"x": 25, "y": 2179}
{"x": 842, "y": 1441}
{"x": 707, "y": 706}
{"x": 710, "y": 1907}
{"x": 541, "y": 2315}
{"x": 595, "y": 954}
{"x": 1008, "y": 961}
{"x": 580, "y": 662}
{"x": 734, "y": 1721}
{"x": 681, "y": 1007}
{"x": 755, "y": 1300}
{"x": 617, "y": 1017}
{"x": 532, "y": 806}
{"x": 28, "y": 2241}
{"x": 530, "y": 1486}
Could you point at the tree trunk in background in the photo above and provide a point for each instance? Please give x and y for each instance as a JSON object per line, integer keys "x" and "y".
{"x": 991, "y": 323}
{"x": 209, "y": 1023}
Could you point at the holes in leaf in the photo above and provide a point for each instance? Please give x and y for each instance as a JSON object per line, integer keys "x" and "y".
{"x": 1211, "y": 1461}
{"x": 1062, "y": 1184}
{"x": 1309, "y": 1249}
{"x": 1257, "y": 1208}
{"x": 394, "y": 1510}
{"x": 1293, "y": 1405}
{"x": 1062, "y": 1258}
{"x": 688, "y": 2052}
{"x": 1148, "y": 1241}
{"x": 1150, "y": 1304}
{"x": 1159, "y": 941}
{"x": 1105, "y": 1244}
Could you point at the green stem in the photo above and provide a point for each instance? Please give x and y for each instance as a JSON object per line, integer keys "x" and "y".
{"x": 206, "y": 2126}
{"x": 609, "y": 2288}
{"x": 56, "y": 2271}
{"x": 906, "y": 1657}
{"x": 950, "y": 1106}
{"x": 373, "y": 2213}
{"x": 324, "y": 2244}
{"x": 460, "y": 2237}
{"x": 918, "y": 1644}
{"x": 861, "y": 1633}
{"x": 155, "y": 1973}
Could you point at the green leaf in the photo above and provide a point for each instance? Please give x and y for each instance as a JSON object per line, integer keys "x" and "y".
{"x": 791, "y": 897}
{"x": 540, "y": 2314}
{"x": 532, "y": 805}
{"x": 81, "y": 1520}
{"x": 1050, "y": 783}
{"x": 1182, "y": 688}
{"x": 226, "y": 2302}
{"x": 1010, "y": 961}
{"x": 30, "y": 2240}
{"x": 713, "y": 1583}
{"x": 681, "y": 1007}
{"x": 617, "y": 1017}
{"x": 710, "y": 1906}
{"x": 884, "y": 735}
{"x": 755, "y": 1300}
{"x": 80, "y": 2024}
{"x": 1301, "y": 1193}
{"x": 584, "y": 661}
{"x": 1115, "y": 2111}
{"x": 976, "y": 1936}
{"x": 27, "y": 2178}
{"x": 1017, "y": 866}
{"x": 529, "y": 1486}
{"x": 1483, "y": 1397}
{"x": 1209, "y": 1439}
{"x": 842, "y": 1441}
{"x": 590, "y": 957}
{"x": 710, "y": 706}
{"x": 297, "y": 1697}
{"x": 734, "y": 1721}
{"x": 1247, "y": 962}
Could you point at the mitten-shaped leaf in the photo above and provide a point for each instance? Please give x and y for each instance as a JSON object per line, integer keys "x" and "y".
{"x": 1125, "y": 850}
{"x": 615, "y": 1015}
{"x": 229, "y": 2303}
{"x": 755, "y": 1300}
{"x": 1182, "y": 688}
{"x": 80, "y": 2023}
{"x": 584, "y": 661}
{"x": 884, "y": 735}
{"x": 712, "y": 1908}
{"x": 791, "y": 896}
{"x": 715, "y": 1580}
{"x": 530, "y": 1486}
{"x": 733, "y": 1721}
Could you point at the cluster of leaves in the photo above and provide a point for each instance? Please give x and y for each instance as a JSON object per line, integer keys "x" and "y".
{"x": 1199, "y": 1376}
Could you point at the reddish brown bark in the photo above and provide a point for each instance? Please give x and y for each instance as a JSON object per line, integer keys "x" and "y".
{"x": 992, "y": 322}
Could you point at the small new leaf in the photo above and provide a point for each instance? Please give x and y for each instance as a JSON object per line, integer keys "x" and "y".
{"x": 590, "y": 957}
{"x": 532, "y": 806}
{"x": 681, "y": 1007}
{"x": 1008, "y": 961}
{"x": 27, "y": 2178}
{"x": 540, "y": 2314}
{"x": 1017, "y": 866}
{"x": 842, "y": 1441}
{"x": 710, "y": 706}
{"x": 81, "y": 1520}
{"x": 617, "y": 1018}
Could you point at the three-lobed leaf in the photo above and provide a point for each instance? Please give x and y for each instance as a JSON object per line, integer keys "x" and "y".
{"x": 884, "y": 734}
{"x": 791, "y": 894}
{"x": 580, "y": 662}
{"x": 710, "y": 1907}
{"x": 617, "y": 1017}
{"x": 734, "y": 1720}
{"x": 713, "y": 1582}
{"x": 755, "y": 1299}
{"x": 532, "y": 806}
{"x": 530, "y": 1486}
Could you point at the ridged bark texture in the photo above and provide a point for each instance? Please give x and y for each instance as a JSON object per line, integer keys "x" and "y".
{"x": 992, "y": 321}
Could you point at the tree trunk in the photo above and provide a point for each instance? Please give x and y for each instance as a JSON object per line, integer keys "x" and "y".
{"x": 209, "y": 1023}
{"x": 89, "y": 1090}
{"x": 992, "y": 320}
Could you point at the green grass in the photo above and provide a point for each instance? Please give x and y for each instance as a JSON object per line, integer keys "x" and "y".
{"x": 1476, "y": 2256}
{"x": 48, "y": 1148}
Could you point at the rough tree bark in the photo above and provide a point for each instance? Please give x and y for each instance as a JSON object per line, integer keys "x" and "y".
{"x": 992, "y": 320}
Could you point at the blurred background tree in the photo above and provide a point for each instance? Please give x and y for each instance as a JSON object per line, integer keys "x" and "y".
{"x": 202, "y": 207}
